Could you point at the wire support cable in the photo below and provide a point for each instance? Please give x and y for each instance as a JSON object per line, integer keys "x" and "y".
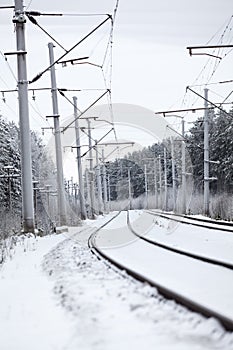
{"x": 34, "y": 21}
{"x": 209, "y": 63}
{"x": 38, "y": 76}
{"x": 82, "y": 113}
{"x": 213, "y": 104}
{"x": 96, "y": 143}
{"x": 9, "y": 67}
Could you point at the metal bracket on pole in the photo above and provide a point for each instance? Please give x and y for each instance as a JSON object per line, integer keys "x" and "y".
{"x": 19, "y": 52}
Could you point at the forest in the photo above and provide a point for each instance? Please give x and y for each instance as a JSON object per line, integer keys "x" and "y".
{"x": 126, "y": 176}
{"x": 133, "y": 167}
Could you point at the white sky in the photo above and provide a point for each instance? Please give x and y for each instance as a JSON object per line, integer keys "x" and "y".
{"x": 151, "y": 66}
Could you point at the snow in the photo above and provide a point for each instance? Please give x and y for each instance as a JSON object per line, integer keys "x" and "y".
{"x": 187, "y": 276}
{"x": 55, "y": 294}
{"x": 29, "y": 317}
{"x": 214, "y": 244}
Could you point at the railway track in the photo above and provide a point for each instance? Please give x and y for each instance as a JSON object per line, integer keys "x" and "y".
{"x": 178, "y": 250}
{"x": 189, "y": 220}
{"x": 167, "y": 292}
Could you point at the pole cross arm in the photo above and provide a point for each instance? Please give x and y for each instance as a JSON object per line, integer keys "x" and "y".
{"x": 191, "y": 48}
{"x": 213, "y": 104}
{"x": 212, "y": 161}
{"x": 210, "y": 178}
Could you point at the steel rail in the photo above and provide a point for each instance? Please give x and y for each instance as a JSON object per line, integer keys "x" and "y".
{"x": 179, "y": 251}
{"x": 169, "y": 216}
{"x": 226, "y": 322}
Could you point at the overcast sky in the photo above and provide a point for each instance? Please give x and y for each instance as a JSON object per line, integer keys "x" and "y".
{"x": 151, "y": 66}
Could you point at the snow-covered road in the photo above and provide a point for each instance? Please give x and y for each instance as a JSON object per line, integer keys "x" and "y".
{"x": 54, "y": 294}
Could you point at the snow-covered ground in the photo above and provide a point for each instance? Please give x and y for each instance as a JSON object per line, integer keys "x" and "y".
{"x": 215, "y": 244}
{"x": 56, "y": 295}
{"x": 207, "y": 284}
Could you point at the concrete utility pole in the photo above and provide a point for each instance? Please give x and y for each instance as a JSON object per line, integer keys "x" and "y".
{"x": 88, "y": 199}
{"x": 206, "y": 155}
{"x": 57, "y": 132}
{"x": 109, "y": 193}
{"x": 165, "y": 179}
{"x": 130, "y": 192}
{"x": 91, "y": 172}
{"x": 146, "y": 185}
{"x": 98, "y": 178}
{"x": 25, "y": 136}
{"x": 156, "y": 184}
{"x": 79, "y": 162}
{"x": 183, "y": 172}
{"x": 173, "y": 175}
{"x": 35, "y": 190}
{"x": 160, "y": 183}
{"x": 104, "y": 181}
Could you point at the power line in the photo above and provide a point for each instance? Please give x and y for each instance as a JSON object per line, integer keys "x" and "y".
{"x": 215, "y": 83}
{"x": 228, "y": 22}
{"x": 212, "y": 66}
{"x": 110, "y": 47}
{"x": 9, "y": 67}
{"x": 213, "y": 104}
{"x": 66, "y": 127}
{"x": 34, "y": 21}
{"x": 29, "y": 4}
{"x": 38, "y": 76}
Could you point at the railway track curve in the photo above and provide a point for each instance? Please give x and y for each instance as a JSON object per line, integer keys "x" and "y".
{"x": 168, "y": 292}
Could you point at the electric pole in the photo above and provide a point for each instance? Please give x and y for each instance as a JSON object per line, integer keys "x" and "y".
{"x": 160, "y": 183}
{"x": 156, "y": 184}
{"x": 173, "y": 175}
{"x": 79, "y": 162}
{"x": 183, "y": 172}
{"x": 165, "y": 179}
{"x": 206, "y": 155}
{"x": 25, "y": 136}
{"x": 57, "y": 132}
{"x": 104, "y": 181}
{"x": 146, "y": 185}
{"x": 91, "y": 172}
{"x": 98, "y": 179}
{"x": 130, "y": 192}
{"x": 109, "y": 193}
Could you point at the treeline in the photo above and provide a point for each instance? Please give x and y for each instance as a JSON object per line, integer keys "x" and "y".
{"x": 147, "y": 166}
{"x": 10, "y": 177}
{"x": 220, "y": 152}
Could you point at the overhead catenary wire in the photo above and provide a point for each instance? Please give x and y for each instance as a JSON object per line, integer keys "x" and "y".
{"x": 29, "y": 4}
{"x": 213, "y": 104}
{"x": 110, "y": 47}
{"x": 82, "y": 113}
{"x": 38, "y": 76}
{"x": 30, "y": 15}
{"x": 226, "y": 98}
{"x": 9, "y": 67}
{"x": 97, "y": 142}
{"x": 213, "y": 66}
{"x": 214, "y": 83}
{"x": 217, "y": 32}
{"x": 34, "y": 21}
